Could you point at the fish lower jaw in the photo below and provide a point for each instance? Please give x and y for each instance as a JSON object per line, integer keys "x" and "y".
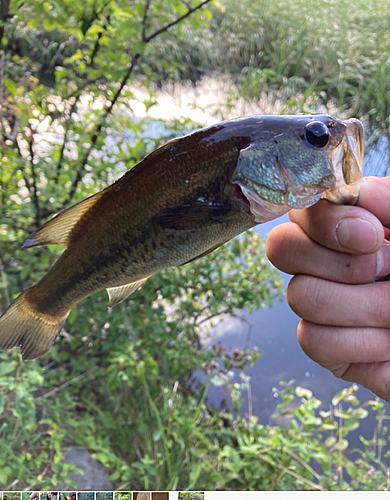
{"x": 343, "y": 195}
{"x": 264, "y": 210}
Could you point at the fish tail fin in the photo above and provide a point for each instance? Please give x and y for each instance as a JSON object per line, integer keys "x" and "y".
{"x": 22, "y": 325}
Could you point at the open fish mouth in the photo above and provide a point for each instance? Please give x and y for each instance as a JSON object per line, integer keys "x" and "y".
{"x": 322, "y": 159}
{"x": 347, "y": 163}
{"x": 265, "y": 211}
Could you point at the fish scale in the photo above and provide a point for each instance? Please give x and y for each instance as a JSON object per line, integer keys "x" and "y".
{"x": 179, "y": 203}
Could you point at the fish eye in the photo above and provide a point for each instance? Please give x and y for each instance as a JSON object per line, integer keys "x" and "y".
{"x": 316, "y": 134}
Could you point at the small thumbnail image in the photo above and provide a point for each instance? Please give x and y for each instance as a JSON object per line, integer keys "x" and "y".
{"x": 141, "y": 495}
{"x": 86, "y": 495}
{"x": 104, "y": 495}
{"x": 11, "y": 495}
{"x": 30, "y": 495}
{"x": 122, "y": 495}
{"x": 160, "y": 495}
{"x": 66, "y": 495}
{"x": 49, "y": 495}
{"x": 191, "y": 495}
{"x": 1, "y": 495}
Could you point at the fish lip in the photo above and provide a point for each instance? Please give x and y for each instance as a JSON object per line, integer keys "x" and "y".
{"x": 264, "y": 211}
{"x": 356, "y": 141}
{"x": 348, "y": 167}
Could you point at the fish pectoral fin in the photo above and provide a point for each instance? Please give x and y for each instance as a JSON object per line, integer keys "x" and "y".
{"x": 191, "y": 216}
{"x": 117, "y": 294}
{"x": 57, "y": 230}
{"x": 203, "y": 254}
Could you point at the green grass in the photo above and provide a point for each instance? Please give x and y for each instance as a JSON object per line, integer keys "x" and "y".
{"x": 306, "y": 54}
{"x": 118, "y": 387}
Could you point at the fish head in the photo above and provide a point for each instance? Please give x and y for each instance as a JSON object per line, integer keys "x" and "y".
{"x": 298, "y": 161}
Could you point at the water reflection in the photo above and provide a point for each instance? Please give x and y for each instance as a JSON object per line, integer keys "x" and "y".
{"x": 274, "y": 332}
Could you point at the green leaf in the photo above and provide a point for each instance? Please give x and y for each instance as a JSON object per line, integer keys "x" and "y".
{"x": 341, "y": 445}
{"x": 351, "y": 469}
{"x": 33, "y": 23}
{"x": 156, "y": 435}
{"x": 48, "y": 24}
{"x": 72, "y": 316}
{"x": 10, "y": 86}
{"x": 7, "y": 367}
{"x": 140, "y": 370}
{"x": 301, "y": 392}
{"x": 330, "y": 441}
{"x": 360, "y": 413}
{"x": 329, "y": 425}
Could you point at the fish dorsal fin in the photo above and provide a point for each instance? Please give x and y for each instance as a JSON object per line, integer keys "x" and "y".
{"x": 119, "y": 293}
{"x": 57, "y": 230}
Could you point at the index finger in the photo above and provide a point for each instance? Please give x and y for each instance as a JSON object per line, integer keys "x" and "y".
{"x": 357, "y": 230}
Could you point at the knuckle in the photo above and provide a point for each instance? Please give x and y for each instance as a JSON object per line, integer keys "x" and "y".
{"x": 358, "y": 268}
{"x": 378, "y": 309}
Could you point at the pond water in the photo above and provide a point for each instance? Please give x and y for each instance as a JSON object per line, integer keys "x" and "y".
{"x": 272, "y": 330}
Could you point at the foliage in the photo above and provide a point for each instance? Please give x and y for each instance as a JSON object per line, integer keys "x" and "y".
{"x": 123, "y": 495}
{"x": 191, "y": 495}
{"x": 304, "y": 57}
{"x": 107, "y": 379}
{"x": 86, "y": 495}
{"x": 116, "y": 382}
{"x": 124, "y": 377}
{"x": 100, "y": 495}
{"x": 311, "y": 452}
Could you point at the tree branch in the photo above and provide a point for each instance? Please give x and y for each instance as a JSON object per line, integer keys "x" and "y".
{"x": 97, "y": 41}
{"x": 67, "y": 128}
{"x": 176, "y": 21}
{"x": 25, "y": 178}
{"x": 144, "y": 20}
{"x": 34, "y": 179}
{"x": 100, "y": 125}
{"x": 108, "y": 110}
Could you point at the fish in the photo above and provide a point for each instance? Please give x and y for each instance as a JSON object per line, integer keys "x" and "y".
{"x": 180, "y": 203}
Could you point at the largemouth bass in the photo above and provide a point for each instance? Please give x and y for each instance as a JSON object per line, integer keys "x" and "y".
{"x": 180, "y": 203}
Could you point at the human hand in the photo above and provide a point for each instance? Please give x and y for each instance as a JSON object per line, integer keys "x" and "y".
{"x": 338, "y": 254}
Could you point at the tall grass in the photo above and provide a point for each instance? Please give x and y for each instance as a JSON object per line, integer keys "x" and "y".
{"x": 331, "y": 52}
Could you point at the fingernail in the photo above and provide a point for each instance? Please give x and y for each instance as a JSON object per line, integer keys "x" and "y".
{"x": 357, "y": 234}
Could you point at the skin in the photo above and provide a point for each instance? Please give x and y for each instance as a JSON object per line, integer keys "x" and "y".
{"x": 340, "y": 258}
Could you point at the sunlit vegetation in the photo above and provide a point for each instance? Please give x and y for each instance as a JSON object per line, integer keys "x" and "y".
{"x": 117, "y": 381}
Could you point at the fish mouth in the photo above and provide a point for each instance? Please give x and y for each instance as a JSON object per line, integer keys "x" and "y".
{"x": 347, "y": 165}
{"x": 264, "y": 210}
{"x": 335, "y": 178}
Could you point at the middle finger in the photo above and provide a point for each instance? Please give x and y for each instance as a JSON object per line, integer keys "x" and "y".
{"x": 328, "y": 303}
{"x": 293, "y": 252}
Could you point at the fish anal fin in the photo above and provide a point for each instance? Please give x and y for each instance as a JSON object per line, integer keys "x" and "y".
{"x": 203, "y": 254}
{"x": 57, "y": 230}
{"x": 119, "y": 293}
